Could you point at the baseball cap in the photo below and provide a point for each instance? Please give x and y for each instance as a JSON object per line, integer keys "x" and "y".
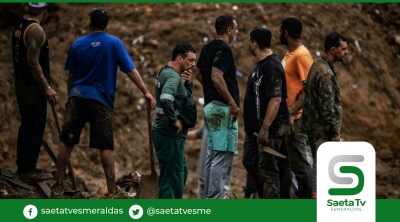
{"x": 99, "y": 17}
{"x": 36, "y": 7}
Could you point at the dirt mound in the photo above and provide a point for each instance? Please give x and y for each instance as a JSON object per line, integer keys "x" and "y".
{"x": 369, "y": 79}
{"x": 44, "y": 186}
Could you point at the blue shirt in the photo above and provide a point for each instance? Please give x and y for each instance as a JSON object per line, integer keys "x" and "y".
{"x": 93, "y": 60}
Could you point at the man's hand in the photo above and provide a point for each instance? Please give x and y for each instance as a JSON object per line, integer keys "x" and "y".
{"x": 233, "y": 111}
{"x": 178, "y": 125}
{"x": 51, "y": 96}
{"x": 336, "y": 138}
{"x": 151, "y": 98}
{"x": 187, "y": 76}
{"x": 263, "y": 135}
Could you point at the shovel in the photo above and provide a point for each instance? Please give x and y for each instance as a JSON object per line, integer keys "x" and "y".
{"x": 149, "y": 183}
{"x": 270, "y": 150}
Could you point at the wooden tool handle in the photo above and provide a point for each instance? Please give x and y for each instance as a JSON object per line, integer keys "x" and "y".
{"x": 53, "y": 108}
{"x": 152, "y": 158}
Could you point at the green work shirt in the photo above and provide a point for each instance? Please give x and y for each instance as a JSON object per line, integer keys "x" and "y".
{"x": 170, "y": 97}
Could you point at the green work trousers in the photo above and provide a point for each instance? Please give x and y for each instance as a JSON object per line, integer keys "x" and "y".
{"x": 173, "y": 167}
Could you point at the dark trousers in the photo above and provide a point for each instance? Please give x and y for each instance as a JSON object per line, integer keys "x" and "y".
{"x": 298, "y": 157}
{"x": 271, "y": 174}
{"x": 315, "y": 143}
{"x": 250, "y": 188}
{"x": 173, "y": 167}
{"x": 30, "y": 135}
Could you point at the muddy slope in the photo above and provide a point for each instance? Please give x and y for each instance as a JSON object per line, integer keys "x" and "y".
{"x": 369, "y": 79}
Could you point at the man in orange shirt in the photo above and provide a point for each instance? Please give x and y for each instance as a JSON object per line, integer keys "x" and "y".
{"x": 296, "y": 63}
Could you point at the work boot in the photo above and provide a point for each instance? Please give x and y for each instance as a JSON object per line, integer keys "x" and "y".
{"x": 120, "y": 194}
{"x": 57, "y": 191}
{"x": 230, "y": 196}
{"x": 29, "y": 178}
{"x": 34, "y": 176}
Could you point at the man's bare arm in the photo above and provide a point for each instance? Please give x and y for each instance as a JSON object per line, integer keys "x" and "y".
{"x": 137, "y": 79}
{"x": 272, "y": 111}
{"x": 298, "y": 105}
{"x": 34, "y": 41}
{"x": 191, "y": 135}
{"x": 220, "y": 85}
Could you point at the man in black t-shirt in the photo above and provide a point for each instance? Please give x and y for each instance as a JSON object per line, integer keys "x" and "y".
{"x": 217, "y": 73}
{"x": 266, "y": 113}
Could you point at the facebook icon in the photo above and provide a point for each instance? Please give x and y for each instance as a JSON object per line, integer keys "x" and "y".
{"x": 30, "y": 211}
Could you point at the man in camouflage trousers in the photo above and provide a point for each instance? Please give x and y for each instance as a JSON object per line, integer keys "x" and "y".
{"x": 322, "y": 111}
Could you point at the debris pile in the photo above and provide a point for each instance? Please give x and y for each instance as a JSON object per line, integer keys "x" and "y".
{"x": 11, "y": 187}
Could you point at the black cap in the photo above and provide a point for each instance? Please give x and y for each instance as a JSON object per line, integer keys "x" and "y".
{"x": 99, "y": 17}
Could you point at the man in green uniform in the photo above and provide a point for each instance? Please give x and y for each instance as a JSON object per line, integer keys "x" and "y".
{"x": 322, "y": 112}
{"x": 168, "y": 133}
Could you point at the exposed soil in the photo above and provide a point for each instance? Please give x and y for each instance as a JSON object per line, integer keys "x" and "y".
{"x": 369, "y": 78}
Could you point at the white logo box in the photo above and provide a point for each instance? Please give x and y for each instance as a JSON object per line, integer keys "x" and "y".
{"x": 348, "y": 205}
